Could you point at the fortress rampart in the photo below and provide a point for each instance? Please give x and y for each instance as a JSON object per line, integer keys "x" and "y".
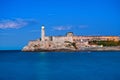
{"x": 69, "y": 41}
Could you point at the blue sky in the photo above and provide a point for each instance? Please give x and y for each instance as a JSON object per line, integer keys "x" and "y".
{"x": 21, "y": 20}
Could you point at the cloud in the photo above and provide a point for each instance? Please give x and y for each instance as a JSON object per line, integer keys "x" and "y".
{"x": 15, "y": 23}
{"x": 60, "y": 28}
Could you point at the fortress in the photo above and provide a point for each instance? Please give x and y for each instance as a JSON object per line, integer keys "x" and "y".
{"x": 67, "y": 42}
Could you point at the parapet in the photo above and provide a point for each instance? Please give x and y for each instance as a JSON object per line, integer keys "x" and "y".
{"x": 70, "y": 34}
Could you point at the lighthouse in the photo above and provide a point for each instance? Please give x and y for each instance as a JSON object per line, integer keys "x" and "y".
{"x": 43, "y": 33}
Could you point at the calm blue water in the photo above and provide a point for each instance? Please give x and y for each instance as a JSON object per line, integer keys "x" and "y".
{"x": 17, "y": 65}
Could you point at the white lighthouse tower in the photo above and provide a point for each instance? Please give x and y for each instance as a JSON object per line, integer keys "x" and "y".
{"x": 42, "y": 33}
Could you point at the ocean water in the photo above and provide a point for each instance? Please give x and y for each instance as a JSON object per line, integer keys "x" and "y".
{"x": 17, "y": 65}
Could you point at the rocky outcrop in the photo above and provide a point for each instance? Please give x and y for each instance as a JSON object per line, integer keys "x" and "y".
{"x": 69, "y": 42}
{"x": 49, "y": 46}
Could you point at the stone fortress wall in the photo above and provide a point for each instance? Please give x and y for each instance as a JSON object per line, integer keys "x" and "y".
{"x": 73, "y": 38}
{"x": 58, "y": 42}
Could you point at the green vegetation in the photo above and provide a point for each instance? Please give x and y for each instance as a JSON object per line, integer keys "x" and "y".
{"x": 105, "y": 43}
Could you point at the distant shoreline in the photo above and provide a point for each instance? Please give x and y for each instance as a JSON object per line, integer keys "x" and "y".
{"x": 62, "y": 51}
{"x": 80, "y": 50}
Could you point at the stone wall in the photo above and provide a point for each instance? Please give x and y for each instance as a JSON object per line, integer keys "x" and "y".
{"x": 89, "y": 38}
{"x": 59, "y": 42}
{"x": 62, "y": 39}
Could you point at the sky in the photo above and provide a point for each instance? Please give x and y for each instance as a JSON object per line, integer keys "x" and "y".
{"x": 21, "y": 20}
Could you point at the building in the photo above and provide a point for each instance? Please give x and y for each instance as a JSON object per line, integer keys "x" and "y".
{"x": 73, "y": 38}
{"x": 68, "y": 41}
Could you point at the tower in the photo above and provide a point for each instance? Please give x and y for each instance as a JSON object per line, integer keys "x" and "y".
{"x": 43, "y": 33}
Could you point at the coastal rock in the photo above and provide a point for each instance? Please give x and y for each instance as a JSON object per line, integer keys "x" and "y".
{"x": 70, "y": 42}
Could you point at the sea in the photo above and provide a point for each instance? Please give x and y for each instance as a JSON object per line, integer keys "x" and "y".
{"x": 18, "y": 65}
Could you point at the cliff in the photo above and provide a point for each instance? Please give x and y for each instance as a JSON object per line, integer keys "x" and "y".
{"x": 67, "y": 46}
{"x": 49, "y": 46}
{"x": 70, "y": 42}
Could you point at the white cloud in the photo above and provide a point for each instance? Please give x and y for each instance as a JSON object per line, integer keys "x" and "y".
{"x": 60, "y": 28}
{"x": 14, "y": 23}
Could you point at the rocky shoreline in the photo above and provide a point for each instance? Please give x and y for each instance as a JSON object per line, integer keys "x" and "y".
{"x": 71, "y": 42}
{"x": 76, "y": 50}
{"x": 102, "y": 49}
